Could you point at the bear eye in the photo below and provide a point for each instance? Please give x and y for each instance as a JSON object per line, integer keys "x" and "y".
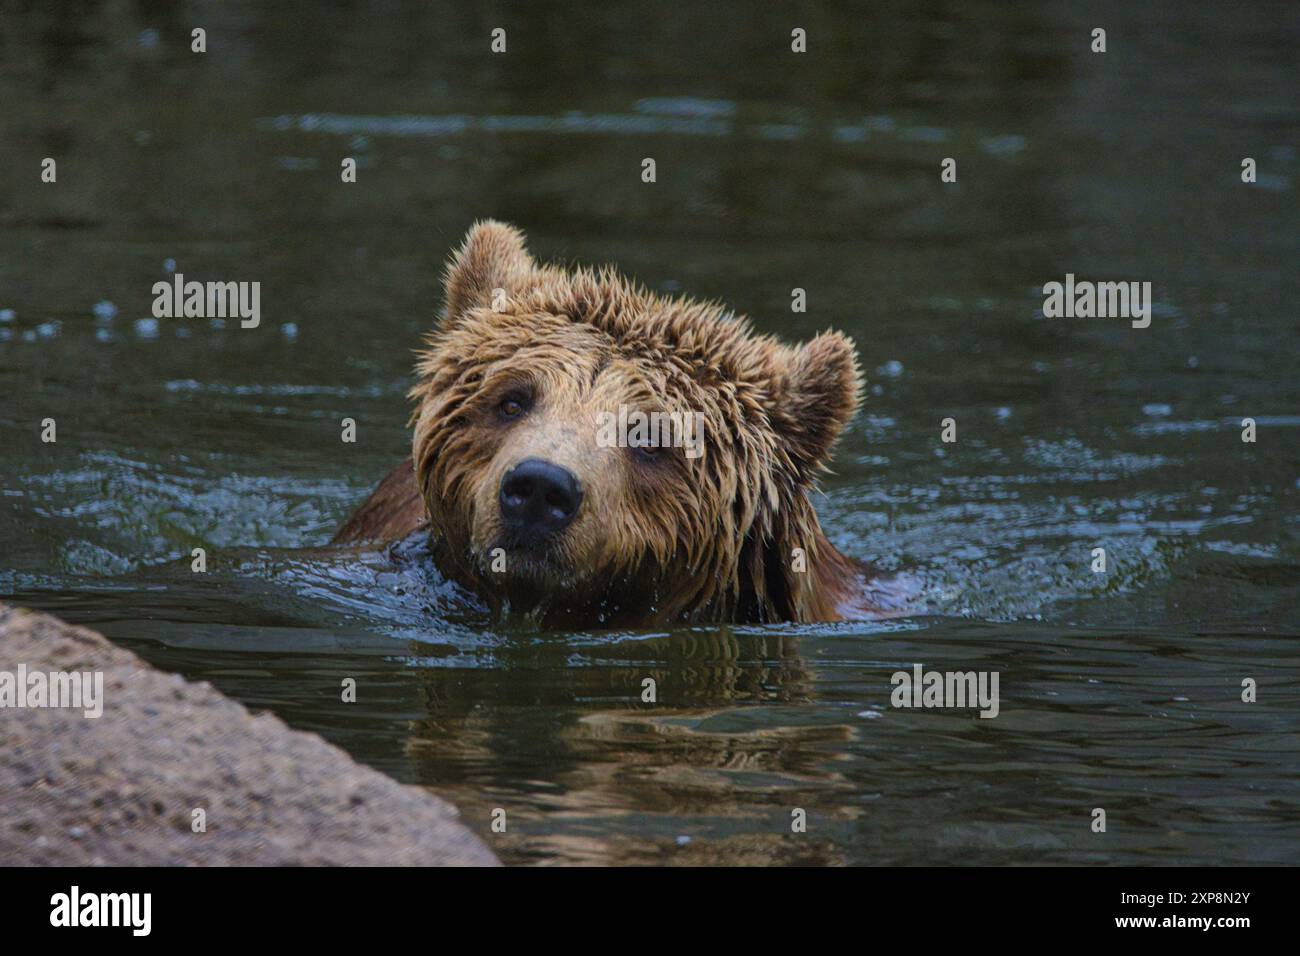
{"x": 513, "y": 405}
{"x": 645, "y": 452}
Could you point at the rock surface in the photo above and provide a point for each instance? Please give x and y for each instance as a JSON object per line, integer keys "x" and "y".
{"x": 121, "y": 789}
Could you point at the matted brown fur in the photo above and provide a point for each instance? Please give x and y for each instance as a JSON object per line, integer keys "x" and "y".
{"x": 656, "y": 540}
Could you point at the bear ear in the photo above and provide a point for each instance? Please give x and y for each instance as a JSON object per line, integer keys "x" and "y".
{"x": 492, "y": 257}
{"x": 814, "y": 397}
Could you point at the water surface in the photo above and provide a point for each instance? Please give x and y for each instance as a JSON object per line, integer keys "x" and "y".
{"x": 1119, "y": 690}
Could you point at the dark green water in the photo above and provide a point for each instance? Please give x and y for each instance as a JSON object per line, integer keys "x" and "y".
{"x": 1119, "y": 690}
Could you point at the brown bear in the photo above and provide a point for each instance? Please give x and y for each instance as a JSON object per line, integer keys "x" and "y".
{"x": 525, "y": 504}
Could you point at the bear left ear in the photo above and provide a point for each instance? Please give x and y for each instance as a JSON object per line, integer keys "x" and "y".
{"x": 492, "y": 257}
{"x": 814, "y": 397}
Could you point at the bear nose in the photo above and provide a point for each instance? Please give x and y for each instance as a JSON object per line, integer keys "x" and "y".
{"x": 540, "y": 497}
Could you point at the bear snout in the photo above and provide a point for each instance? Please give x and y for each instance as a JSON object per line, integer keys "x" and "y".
{"x": 539, "y": 498}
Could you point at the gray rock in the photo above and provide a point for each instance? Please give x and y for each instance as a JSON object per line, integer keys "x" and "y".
{"x": 121, "y": 789}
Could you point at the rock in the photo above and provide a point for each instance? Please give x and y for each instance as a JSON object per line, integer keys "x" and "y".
{"x": 121, "y": 789}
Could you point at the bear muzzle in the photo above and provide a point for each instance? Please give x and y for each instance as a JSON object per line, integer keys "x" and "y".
{"x": 538, "y": 500}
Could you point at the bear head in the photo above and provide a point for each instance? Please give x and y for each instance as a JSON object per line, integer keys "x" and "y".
{"x": 548, "y": 492}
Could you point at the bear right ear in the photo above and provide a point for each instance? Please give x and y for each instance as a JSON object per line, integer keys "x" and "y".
{"x": 816, "y": 395}
{"x": 492, "y": 257}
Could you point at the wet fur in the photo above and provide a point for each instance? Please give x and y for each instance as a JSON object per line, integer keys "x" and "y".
{"x": 710, "y": 539}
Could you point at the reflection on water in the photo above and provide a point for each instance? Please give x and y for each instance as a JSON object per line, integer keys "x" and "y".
{"x": 751, "y": 723}
{"x": 1119, "y": 690}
